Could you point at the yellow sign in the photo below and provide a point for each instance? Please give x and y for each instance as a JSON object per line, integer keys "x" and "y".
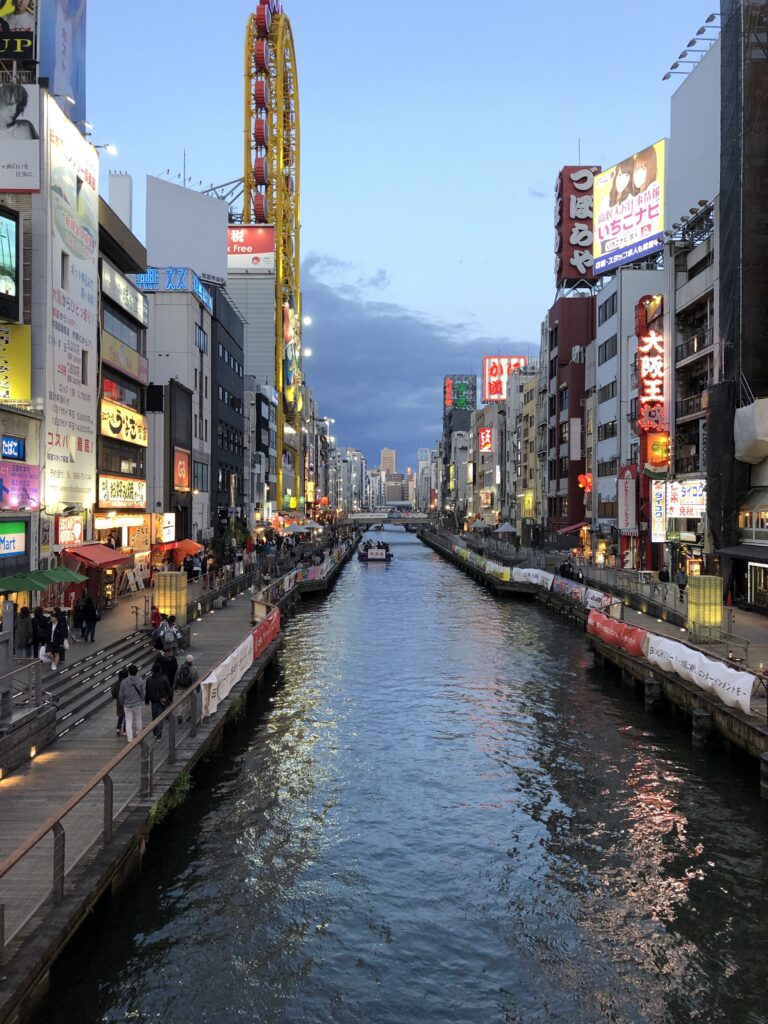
{"x": 122, "y": 492}
{"x": 628, "y": 209}
{"x": 527, "y": 504}
{"x": 123, "y": 358}
{"x": 15, "y": 364}
{"x": 309, "y": 488}
{"x": 125, "y": 424}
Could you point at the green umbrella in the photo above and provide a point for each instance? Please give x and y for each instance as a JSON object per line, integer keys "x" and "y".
{"x": 62, "y": 575}
{"x": 14, "y": 584}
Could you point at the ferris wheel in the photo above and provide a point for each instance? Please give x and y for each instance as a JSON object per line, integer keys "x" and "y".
{"x": 271, "y": 196}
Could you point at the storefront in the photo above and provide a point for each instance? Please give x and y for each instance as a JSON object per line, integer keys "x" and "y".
{"x": 103, "y": 566}
{"x": 132, "y": 534}
{"x": 678, "y": 509}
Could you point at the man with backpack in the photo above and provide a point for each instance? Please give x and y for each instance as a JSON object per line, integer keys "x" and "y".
{"x": 187, "y": 676}
{"x": 159, "y": 694}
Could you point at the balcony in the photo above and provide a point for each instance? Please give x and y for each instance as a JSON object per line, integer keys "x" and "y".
{"x": 687, "y": 464}
{"x": 695, "y": 405}
{"x": 688, "y": 351}
{"x": 752, "y": 536}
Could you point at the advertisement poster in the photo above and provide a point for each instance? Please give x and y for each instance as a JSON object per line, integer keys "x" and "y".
{"x": 20, "y": 134}
{"x": 19, "y": 485}
{"x": 61, "y": 51}
{"x": 17, "y": 38}
{"x": 658, "y": 512}
{"x": 251, "y": 247}
{"x": 15, "y": 364}
{"x": 10, "y": 268}
{"x": 629, "y": 209}
{"x": 485, "y": 439}
{"x": 71, "y": 399}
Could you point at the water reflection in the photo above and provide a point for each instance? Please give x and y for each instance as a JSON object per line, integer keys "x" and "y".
{"x": 446, "y": 815}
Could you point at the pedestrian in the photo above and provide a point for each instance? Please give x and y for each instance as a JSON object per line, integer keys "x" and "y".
{"x": 78, "y": 621}
{"x": 158, "y": 633}
{"x": 159, "y": 694}
{"x": 90, "y": 618}
{"x": 24, "y": 634}
{"x": 54, "y": 647}
{"x": 132, "y": 694}
{"x": 169, "y": 666}
{"x": 155, "y": 618}
{"x": 682, "y": 581}
{"x": 121, "y": 675}
{"x": 65, "y": 641}
{"x": 187, "y": 676}
{"x": 40, "y": 627}
{"x": 580, "y": 575}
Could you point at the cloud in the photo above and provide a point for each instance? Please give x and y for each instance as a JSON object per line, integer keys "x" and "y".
{"x": 536, "y": 194}
{"x": 377, "y": 368}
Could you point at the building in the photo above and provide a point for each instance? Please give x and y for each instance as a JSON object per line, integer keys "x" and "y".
{"x": 260, "y": 428}
{"x": 227, "y": 476}
{"x": 388, "y": 461}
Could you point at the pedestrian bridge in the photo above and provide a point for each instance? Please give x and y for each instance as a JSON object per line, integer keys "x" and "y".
{"x": 393, "y": 518}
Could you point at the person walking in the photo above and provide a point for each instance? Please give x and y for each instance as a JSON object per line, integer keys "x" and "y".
{"x": 23, "y": 634}
{"x": 65, "y": 641}
{"x": 169, "y": 666}
{"x": 121, "y": 675}
{"x": 132, "y": 695}
{"x": 78, "y": 620}
{"x": 155, "y": 618}
{"x": 682, "y": 581}
{"x": 57, "y": 634}
{"x": 159, "y": 694}
{"x": 187, "y": 676}
{"x": 90, "y": 618}
{"x": 40, "y": 627}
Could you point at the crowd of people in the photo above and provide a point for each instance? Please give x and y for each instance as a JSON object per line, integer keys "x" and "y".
{"x": 165, "y": 681}
{"x": 46, "y": 635}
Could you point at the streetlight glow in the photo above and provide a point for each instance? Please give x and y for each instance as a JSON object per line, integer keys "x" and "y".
{"x": 307, "y": 321}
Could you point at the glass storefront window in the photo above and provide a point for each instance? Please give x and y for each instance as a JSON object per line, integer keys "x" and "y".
{"x": 758, "y": 584}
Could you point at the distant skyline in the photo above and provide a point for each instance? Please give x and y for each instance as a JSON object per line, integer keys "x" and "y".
{"x": 427, "y": 186}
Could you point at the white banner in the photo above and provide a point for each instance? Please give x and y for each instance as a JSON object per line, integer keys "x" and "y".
{"x": 535, "y": 576}
{"x": 219, "y": 683}
{"x": 732, "y": 686}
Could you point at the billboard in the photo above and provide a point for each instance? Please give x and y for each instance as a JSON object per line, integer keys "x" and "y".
{"x": 61, "y": 52}
{"x": 627, "y": 496}
{"x": 485, "y": 439}
{"x": 19, "y": 485}
{"x": 496, "y": 373}
{"x": 122, "y": 492}
{"x": 251, "y": 247}
{"x": 15, "y": 364}
{"x": 629, "y": 209}
{"x": 573, "y": 224}
{"x": 459, "y": 392}
{"x": 10, "y": 264}
{"x": 71, "y": 408}
{"x": 186, "y": 228}
{"x": 17, "y": 30}
{"x": 13, "y": 539}
{"x": 122, "y": 357}
{"x": 123, "y": 424}
{"x": 182, "y": 475}
{"x": 20, "y": 134}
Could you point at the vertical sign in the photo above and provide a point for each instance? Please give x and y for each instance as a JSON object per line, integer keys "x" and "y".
{"x": 658, "y": 511}
{"x": 496, "y": 373}
{"x": 485, "y": 439}
{"x": 627, "y": 501}
{"x": 573, "y": 224}
{"x": 651, "y": 365}
{"x": 71, "y": 364}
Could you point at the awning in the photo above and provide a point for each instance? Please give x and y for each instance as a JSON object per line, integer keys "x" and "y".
{"x": 756, "y": 499}
{"x": 37, "y": 581}
{"x": 189, "y": 547}
{"x": 751, "y": 552}
{"x": 100, "y": 555}
{"x": 572, "y": 529}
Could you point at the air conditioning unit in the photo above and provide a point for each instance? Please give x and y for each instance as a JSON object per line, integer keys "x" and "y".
{"x": 577, "y": 354}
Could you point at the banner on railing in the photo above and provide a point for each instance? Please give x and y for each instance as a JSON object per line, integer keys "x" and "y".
{"x": 733, "y": 686}
{"x": 536, "y": 576}
{"x": 570, "y": 589}
{"x": 226, "y": 675}
{"x": 265, "y": 633}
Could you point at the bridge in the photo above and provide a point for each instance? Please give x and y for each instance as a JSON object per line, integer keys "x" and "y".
{"x": 390, "y": 518}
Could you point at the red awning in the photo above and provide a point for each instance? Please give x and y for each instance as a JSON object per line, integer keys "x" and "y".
{"x": 99, "y": 555}
{"x": 169, "y": 545}
{"x": 572, "y": 529}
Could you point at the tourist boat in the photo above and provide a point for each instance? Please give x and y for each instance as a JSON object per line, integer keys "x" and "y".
{"x": 371, "y": 552}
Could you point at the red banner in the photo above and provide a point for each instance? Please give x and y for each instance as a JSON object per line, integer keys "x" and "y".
{"x": 265, "y": 633}
{"x": 630, "y": 639}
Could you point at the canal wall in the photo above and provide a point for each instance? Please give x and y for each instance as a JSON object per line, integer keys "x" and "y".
{"x": 713, "y": 695}
{"x": 94, "y": 843}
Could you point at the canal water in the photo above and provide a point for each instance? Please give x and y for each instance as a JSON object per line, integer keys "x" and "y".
{"x": 441, "y": 813}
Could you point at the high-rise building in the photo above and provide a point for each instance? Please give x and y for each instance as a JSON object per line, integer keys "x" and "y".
{"x": 388, "y": 462}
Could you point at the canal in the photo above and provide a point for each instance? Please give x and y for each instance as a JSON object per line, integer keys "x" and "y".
{"x": 440, "y": 813}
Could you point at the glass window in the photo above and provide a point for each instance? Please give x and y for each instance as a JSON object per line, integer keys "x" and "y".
{"x": 118, "y": 389}
{"x": 122, "y": 329}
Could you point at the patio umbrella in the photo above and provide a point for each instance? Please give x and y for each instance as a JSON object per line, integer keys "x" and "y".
{"x": 505, "y": 528}
{"x": 477, "y": 525}
{"x": 312, "y": 525}
{"x": 296, "y": 528}
{"x": 189, "y": 547}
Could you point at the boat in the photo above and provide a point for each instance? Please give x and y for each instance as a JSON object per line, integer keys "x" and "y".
{"x": 374, "y": 551}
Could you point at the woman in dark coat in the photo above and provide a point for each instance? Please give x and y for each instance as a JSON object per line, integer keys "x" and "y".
{"x": 40, "y": 626}
{"x": 57, "y": 634}
{"x": 90, "y": 618}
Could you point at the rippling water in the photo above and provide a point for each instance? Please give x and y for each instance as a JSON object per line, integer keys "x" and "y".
{"x": 442, "y": 814}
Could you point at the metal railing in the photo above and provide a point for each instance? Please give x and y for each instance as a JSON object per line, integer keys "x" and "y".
{"x": 690, "y": 406}
{"x": 36, "y": 871}
{"x": 700, "y": 342}
{"x": 20, "y": 692}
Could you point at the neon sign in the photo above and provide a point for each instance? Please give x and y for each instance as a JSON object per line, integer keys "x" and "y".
{"x": 496, "y": 372}
{"x": 485, "y": 439}
{"x": 650, "y": 406}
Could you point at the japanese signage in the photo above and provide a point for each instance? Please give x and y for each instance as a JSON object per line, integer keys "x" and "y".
{"x": 573, "y": 224}
{"x": 658, "y": 512}
{"x": 527, "y": 504}
{"x": 15, "y": 364}
{"x": 122, "y": 292}
{"x": 10, "y": 264}
{"x": 175, "y": 279}
{"x": 19, "y": 485}
{"x": 629, "y": 209}
{"x": 123, "y": 358}
{"x": 139, "y": 536}
{"x": 686, "y": 499}
{"x": 20, "y": 128}
{"x": 459, "y": 392}
{"x": 496, "y": 373}
{"x": 14, "y": 448}
{"x": 628, "y": 500}
{"x": 165, "y": 527}
{"x": 122, "y": 492}
{"x": 485, "y": 439}
{"x": 71, "y": 395}
{"x": 658, "y": 450}
{"x": 181, "y": 470}
{"x": 124, "y": 424}
{"x": 70, "y": 530}
{"x": 251, "y": 248}
{"x": 13, "y": 539}
{"x": 486, "y": 499}
{"x": 651, "y": 369}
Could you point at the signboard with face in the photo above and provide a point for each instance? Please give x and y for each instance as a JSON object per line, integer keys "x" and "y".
{"x": 496, "y": 373}
{"x": 19, "y": 135}
{"x": 573, "y": 224}
{"x": 629, "y": 209}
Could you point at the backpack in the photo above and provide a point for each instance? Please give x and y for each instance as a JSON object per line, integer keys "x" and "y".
{"x": 182, "y": 678}
{"x": 168, "y": 639}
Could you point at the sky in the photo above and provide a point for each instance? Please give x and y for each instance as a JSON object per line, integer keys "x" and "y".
{"x": 431, "y": 136}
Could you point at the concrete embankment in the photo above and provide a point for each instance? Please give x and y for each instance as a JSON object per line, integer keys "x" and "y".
{"x": 94, "y": 839}
{"x": 713, "y": 724}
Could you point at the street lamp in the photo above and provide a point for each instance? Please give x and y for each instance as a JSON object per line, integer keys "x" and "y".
{"x": 307, "y": 321}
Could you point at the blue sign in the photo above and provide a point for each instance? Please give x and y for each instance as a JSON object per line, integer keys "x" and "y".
{"x": 175, "y": 279}
{"x": 14, "y": 448}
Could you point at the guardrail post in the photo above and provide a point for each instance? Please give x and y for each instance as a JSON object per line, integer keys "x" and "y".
{"x": 171, "y": 723}
{"x": 193, "y": 727}
{"x": 108, "y": 804}
{"x": 146, "y": 769}
{"x": 58, "y": 862}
